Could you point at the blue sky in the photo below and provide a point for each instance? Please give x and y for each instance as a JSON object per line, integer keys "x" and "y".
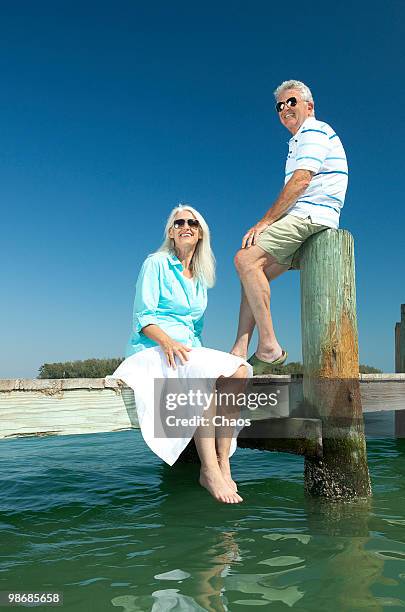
{"x": 112, "y": 112}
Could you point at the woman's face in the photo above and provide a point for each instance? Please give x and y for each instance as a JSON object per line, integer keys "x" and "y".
{"x": 185, "y": 235}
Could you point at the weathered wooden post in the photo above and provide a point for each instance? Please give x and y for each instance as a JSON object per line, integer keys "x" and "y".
{"x": 400, "y": 368}
{"x": 400, "y": 342}
{"x": 331, "y": 368}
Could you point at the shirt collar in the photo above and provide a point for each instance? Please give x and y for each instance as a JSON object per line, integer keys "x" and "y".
{"x": 174, "y": 260}
{"x": 294, "y": 136}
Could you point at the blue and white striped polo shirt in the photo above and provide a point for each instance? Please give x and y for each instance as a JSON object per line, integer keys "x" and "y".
{"x": 317, "y": 147}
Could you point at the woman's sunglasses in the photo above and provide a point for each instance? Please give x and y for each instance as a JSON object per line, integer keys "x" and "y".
{"x": 181, "y": 222}
{"x": 290, "y": 102}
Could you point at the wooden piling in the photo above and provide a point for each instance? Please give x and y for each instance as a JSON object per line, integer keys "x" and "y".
{"x": 400, "y": 366}
{"x": 400, "y": 343}
{"x": 331, "y": 385}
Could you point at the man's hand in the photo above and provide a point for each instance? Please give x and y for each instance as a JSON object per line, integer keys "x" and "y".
{"x": 290, "y": 193}
{"x": 251, "y": 235}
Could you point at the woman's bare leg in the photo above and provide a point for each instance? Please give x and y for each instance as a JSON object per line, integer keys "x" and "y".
{"x": 234, "y": 385}
{"x": 211, "y": 476}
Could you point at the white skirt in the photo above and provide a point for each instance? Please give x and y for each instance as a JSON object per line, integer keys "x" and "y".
{"x": 139, "y": 372}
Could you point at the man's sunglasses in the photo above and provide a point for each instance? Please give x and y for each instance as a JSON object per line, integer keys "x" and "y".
{"x": 290, "y": 102}
{"x": 181, "y": 222}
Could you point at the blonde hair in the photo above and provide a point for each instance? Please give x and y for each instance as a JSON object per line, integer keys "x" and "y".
{"x": 203, "y": 261}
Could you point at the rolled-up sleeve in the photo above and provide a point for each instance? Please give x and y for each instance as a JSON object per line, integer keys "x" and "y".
{"x": 312, "y": 149}
{"x": 146, "y": 295}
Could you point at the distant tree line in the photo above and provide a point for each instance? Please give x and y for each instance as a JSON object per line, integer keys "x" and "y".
{"x": 99, "y": 368}
{"x": 89, "y": 368}
{"x": 296, "y": 367}
{"x": 366, "y": 369}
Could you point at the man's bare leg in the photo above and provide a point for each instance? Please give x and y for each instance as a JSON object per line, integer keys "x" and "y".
{"x": 246, "y": 325}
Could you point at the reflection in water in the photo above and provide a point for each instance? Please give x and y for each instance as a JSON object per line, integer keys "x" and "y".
{"x": 213, "y": 560}
{"x": 160, "y": 601}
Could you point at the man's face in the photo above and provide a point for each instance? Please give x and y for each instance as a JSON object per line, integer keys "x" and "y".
{"x": 292, "y": 117}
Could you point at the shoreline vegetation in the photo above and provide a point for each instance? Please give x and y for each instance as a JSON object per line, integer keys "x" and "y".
{"x": 100, "y": 368}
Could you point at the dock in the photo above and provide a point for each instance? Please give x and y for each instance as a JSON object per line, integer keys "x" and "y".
{"x": 44, "y": 407}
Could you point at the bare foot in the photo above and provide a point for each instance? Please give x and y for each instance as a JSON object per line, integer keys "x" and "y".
{"x": 225, "y": 468}
{"x": 215, "y": 484}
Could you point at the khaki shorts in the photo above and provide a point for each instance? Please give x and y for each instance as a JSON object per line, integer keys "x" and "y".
{"x": 284, "y": 237}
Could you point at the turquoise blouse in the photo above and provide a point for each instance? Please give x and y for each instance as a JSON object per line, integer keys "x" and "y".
{"x": 166, "y": 298}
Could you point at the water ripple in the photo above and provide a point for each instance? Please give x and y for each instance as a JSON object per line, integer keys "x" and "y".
{"x": 102, "y": 519}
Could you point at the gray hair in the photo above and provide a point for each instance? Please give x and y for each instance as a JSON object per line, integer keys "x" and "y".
{"x": 203, "y": 261}
{"x": 299, "y": 85}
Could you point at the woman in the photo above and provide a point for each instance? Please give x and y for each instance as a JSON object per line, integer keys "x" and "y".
{"x": 170, "y": 300}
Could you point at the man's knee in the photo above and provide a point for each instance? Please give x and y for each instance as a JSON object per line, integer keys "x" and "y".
{"x": 242, "y": 261}
{"x": 238, "y": 259}
{"x": 247, "y": 262}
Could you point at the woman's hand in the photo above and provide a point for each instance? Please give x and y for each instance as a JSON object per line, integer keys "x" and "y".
{"x": 171, "y": 349}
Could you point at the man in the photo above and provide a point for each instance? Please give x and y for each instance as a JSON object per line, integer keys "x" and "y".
{"x": 313, "y": 195}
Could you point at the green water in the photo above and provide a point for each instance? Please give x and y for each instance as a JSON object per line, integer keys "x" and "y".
{"x": 100, "y": 518}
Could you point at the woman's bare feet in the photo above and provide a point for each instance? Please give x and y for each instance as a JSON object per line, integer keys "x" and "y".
{"x": 215, "y": 483}
{"x": 225, "y": 468}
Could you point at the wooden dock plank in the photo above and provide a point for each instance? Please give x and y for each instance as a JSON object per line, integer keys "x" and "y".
{"x": 82, "y": 406}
